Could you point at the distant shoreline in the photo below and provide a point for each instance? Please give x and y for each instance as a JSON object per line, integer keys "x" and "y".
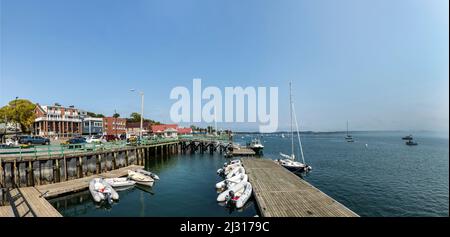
{"x": 339, "y": 132}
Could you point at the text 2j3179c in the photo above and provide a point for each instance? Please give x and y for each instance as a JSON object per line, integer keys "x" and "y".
{"x": 237, "y": 226}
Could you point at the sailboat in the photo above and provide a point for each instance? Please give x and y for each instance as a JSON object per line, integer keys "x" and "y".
{"x": 289, "y": 161}
{"x": 349, "y": 138}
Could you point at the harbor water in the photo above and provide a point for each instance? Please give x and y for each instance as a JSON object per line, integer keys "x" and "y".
{"x": 377, "y": 175}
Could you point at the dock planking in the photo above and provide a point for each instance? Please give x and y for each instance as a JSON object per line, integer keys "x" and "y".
{"x": 280, "y": 193}
{"x": 243, "y": 152}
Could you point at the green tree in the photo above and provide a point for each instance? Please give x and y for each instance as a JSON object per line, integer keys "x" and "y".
{"x": 116, "y": 115}
{"x": 20, "y": 111}
{"x": 135, "y": 117}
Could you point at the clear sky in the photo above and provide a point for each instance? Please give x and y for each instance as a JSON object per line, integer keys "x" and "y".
{"x": 381, "y": 64}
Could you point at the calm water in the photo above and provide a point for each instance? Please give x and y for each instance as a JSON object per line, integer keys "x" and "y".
{"x": 384, "y": 178}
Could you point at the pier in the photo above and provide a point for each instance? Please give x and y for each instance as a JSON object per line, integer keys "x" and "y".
{"x": 243, "y": 151}
{"x": 280, "y": 193}
{"x": 38, "y": 168}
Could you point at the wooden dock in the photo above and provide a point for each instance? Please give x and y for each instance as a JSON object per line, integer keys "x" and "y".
{"x": 280, "y": 193}
{"x": 31, "y": 201}
{"x": 76, "y": 185}
{"x": 243, "y": 151}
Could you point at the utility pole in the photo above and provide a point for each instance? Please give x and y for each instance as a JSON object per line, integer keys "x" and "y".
{"x": 115, "y": 123}
{"x": 17, "y": 115}
{"x": 142, "y": 112}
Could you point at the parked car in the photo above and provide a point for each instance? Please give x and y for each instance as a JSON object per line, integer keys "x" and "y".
{"x": 109, "y": 138}
{"x": 76, "y": 142}
{"x": 29, "y": 140}
{"x": 95, "y": 139}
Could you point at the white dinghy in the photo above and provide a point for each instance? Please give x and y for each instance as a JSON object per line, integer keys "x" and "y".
{"x": 241, "y": 197}
{"x": 120, "y": 182}
{"x": 222, "y": 197}
{"x": 148, "y": 173}
{"x": 226, "y": 169}
{"x": 235, "y": 171}
{"x": 228, "y": 183}
{"x": 140, "y": 178}
{"x": 102, "y": 191}
{"x": 226, "y": 164}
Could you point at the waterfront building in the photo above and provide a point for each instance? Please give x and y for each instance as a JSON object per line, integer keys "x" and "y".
{"x": 114, "y": 126}
{"x": 92, "y": 126}
{"x": 133, "y": 128}
{"x": 56, "y": 121}
{"x": 165, "y": 130}
{"x": 184, "y": 131}
{"x": 170, "y": 130}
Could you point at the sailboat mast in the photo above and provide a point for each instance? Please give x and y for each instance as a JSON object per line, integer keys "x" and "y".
{"x": 347, "y": 128}
{"x": 290, "y": 113}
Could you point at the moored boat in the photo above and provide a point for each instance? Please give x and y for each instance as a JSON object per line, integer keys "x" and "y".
{"x": 148, "y": 173}
{"x": 102, "y": 191}
{"x": 222, "y": 197}
{"x": 228, "y": 183}
{"x": 120, "y": 182}
{"x": 141, "y": 179}
{"x": 237, "y": 170}
{"x": 241, "y": 197}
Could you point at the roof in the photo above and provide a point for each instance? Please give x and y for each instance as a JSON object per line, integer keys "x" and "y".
{"x": 163, "y": 127}
{"x": 145, "y": 124}
{"x": 184, "y": 130}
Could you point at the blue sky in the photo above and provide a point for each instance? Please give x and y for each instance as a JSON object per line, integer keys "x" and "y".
{"x": 383, "y": 65}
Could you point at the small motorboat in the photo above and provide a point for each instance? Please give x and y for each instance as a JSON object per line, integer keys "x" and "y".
{"x": 141, "y": 178}
{"x": 235, "y": 171}
{"x": 411, "y": 143}
{"x": 239, "y": 198}
{"x": 256, "y": 146}
{"x": 228, "y": 183}
{"x": 120, "y": 182}
{"x": 148, "y": 173}
{"x": 409, "y": 137}
{"x": 102, "y": 191}
{"x": 228, "y": 169}
{"x": 231, "y": 162}
{"x": 222, "y": 197}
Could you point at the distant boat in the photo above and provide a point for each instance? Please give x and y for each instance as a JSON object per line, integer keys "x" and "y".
{"x": 411, "y": 143}
{"x": 282, "y": 135}
{"x": 409, "y": 137}
{"x": 256, "y": 146}
{"x": 349, "y": 138}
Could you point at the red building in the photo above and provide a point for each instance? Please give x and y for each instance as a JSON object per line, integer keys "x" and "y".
{"x": 170, "y": 130}
{"x": 134, "y": 128}
{"x": 57, "y": 121}
{"x": 114, "y": 126}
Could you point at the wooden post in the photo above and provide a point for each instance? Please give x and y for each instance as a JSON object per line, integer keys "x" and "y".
{"x": 30, "y": 176}
{"x": 80, "y": 165}
{"x": 40, "y": 173}
{"x": 15, "y": 174}
{"x": 126, "y": 157}
{"x": 156, "y": 151}
{"x": 98, "y": 164}
{"x": 66, "y": 176}
{"x": 57, "y": 177}
{"x": 114, "y": 160}
{"x": 1, "y": 174}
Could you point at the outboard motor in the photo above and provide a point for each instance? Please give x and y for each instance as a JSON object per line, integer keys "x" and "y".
{"x": 229, "y": 198}
{"x": 108, "y": 198}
